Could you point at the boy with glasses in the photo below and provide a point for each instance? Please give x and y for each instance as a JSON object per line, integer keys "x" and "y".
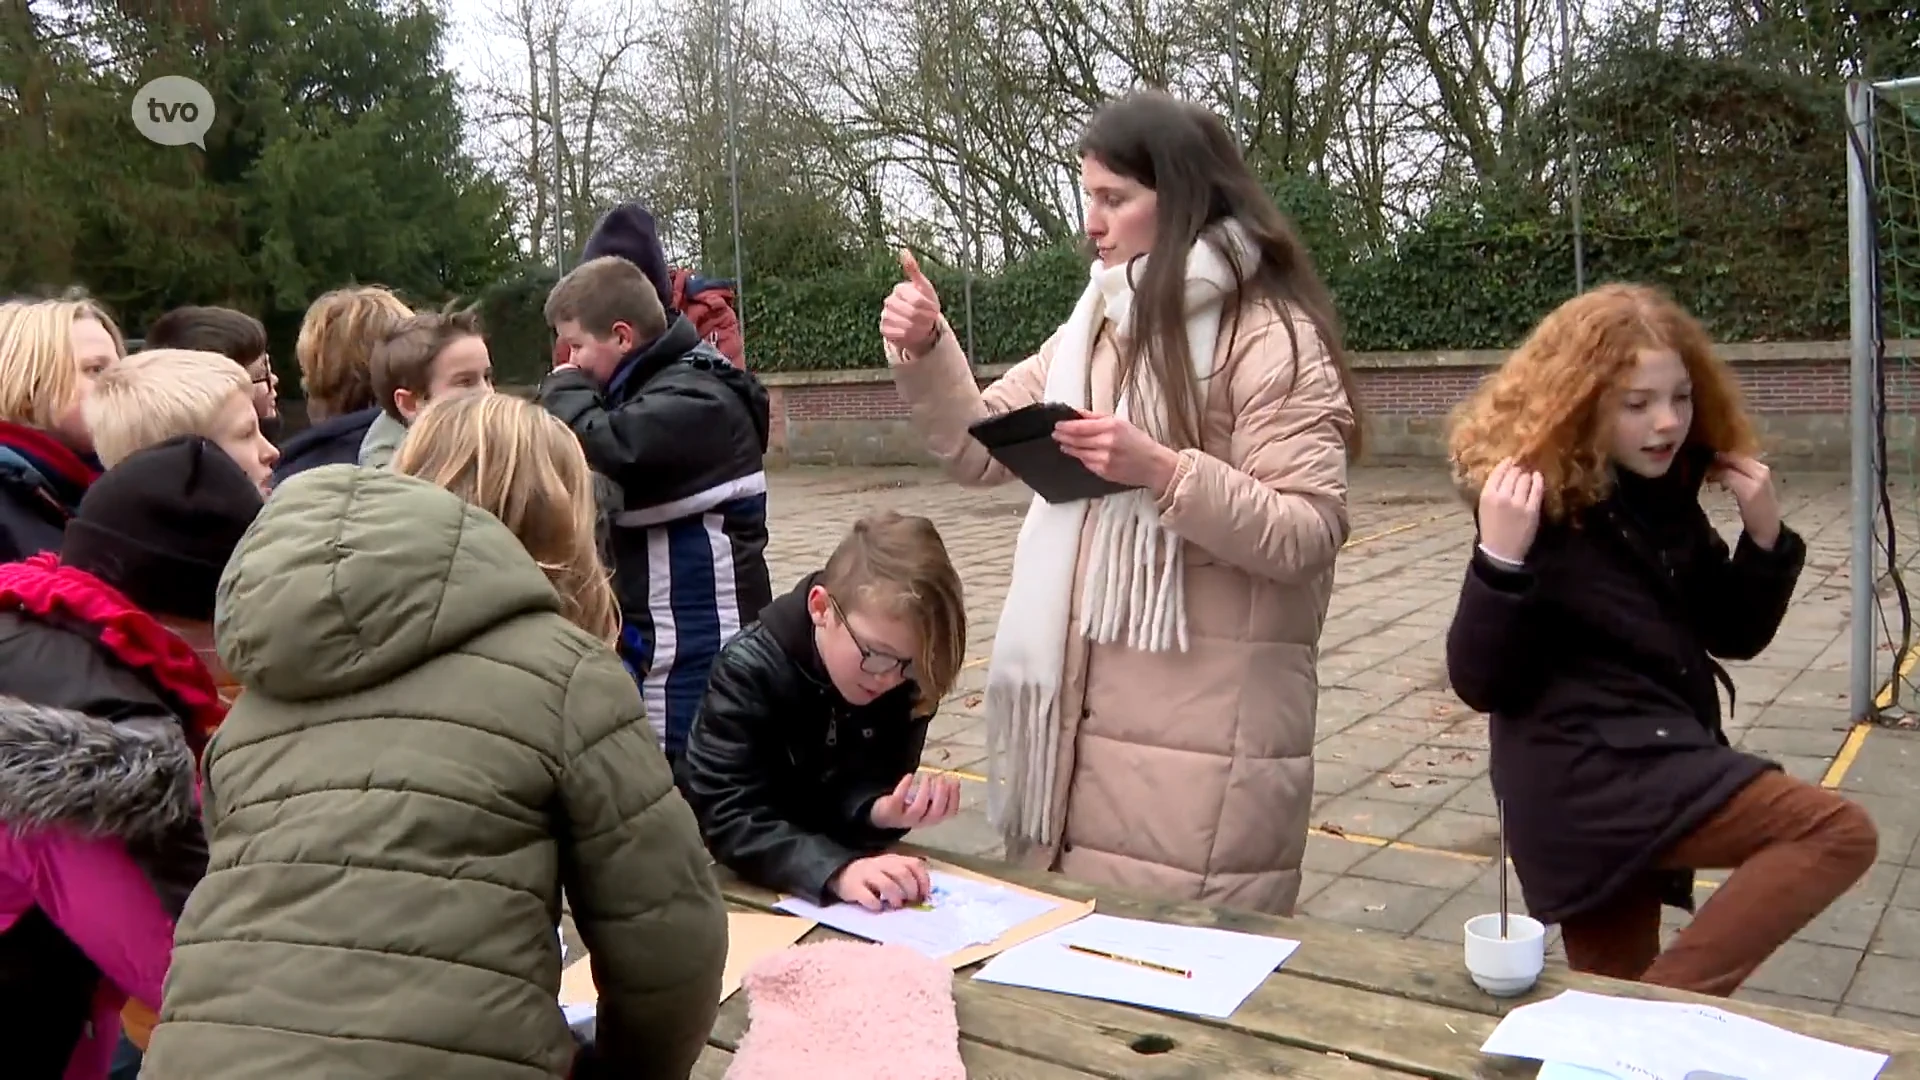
{"x": 801, "y": 764}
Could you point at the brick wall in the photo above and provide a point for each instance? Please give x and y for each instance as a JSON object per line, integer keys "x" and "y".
{"x": 1798, "y": 390}
{"x": 1776, "y": 388}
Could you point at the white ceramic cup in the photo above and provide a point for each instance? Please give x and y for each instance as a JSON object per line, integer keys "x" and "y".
{"x": 1505, "y": 967}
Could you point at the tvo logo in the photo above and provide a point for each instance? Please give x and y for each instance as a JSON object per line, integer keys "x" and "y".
{"x": 173, "y": 110}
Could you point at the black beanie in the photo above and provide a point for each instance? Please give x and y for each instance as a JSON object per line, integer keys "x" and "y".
{"x": 161, "y": 525}
{"x": 629, "y": 231}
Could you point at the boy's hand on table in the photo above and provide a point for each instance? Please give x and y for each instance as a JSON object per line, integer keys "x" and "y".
{"x": 880, "y": 882}
{"x": 915, "y": 806}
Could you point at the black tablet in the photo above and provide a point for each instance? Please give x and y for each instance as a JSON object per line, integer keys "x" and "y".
{"x": 1022, "y": 440}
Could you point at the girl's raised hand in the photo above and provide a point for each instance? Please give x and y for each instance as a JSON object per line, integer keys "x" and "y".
{"x": 1510, "y": 511}
{"x": 1752, "y": 486}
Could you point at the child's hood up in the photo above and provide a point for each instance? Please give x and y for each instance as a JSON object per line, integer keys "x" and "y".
{"x": 351, "y": 577}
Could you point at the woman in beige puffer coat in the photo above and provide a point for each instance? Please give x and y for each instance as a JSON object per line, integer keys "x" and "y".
{"x": 1152, "y": 690}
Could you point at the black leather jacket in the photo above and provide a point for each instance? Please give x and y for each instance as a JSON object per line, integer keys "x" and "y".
{"x": 780, "y": 770}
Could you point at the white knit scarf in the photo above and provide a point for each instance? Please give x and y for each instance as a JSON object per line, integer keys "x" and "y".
{"x": 1132, "y": 584}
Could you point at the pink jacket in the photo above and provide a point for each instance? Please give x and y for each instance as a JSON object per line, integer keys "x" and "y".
{"x": 73, "y": 790}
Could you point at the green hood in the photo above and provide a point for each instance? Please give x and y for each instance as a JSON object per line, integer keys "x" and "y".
{"x": 350, "y": 577}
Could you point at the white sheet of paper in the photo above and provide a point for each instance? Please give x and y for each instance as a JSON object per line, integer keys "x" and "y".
{"x": 1560, "y": 1070}
{"x": 1663, "y": 1040}
{"x": 964, "y": 912}
{"x": 1226, "y": 965}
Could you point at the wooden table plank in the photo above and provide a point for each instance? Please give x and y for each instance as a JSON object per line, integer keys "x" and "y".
{"x": 712, "y": 1065}
{"x": 1435, "y": 973}
{"x": 1406, "y": 1007}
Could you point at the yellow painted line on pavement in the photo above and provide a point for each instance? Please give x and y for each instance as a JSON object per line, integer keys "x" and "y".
{"x": 1402, "y": 845}
{"x": 1885, "y": 697}
{"x": 1398, "y": 845}
{"x": 1400, "y": 528}
{"x": 1842, "y": 761}
{"x": 1351, "y": 542}
{"x": 1351, "y": 838}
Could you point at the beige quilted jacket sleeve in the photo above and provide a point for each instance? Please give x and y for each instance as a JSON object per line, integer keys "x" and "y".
{"x": 940, "y": 390}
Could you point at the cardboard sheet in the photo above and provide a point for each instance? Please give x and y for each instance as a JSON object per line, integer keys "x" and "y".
{"x": 750, "y": 936}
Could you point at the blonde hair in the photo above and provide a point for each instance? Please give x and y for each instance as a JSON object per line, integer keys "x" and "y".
{"x": 152, "y": 396}
{"x": 1547, "y": 406}
{"x": 335, "y": 347}
{"x": 38, "y": 376}
{"x": 519, "y": 463}
{"x": 896, "y": 565}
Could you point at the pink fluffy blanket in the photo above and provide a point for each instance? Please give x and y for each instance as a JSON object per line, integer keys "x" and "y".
{"x": 847, "y": 1010}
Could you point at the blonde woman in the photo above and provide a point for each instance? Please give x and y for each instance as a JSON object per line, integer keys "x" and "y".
{"x": 435, "y": 741}
{"x": 50, "y": 353}
{"x": 335, "y": 352}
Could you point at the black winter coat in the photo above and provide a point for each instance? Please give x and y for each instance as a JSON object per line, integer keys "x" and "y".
{"x": 678, "y": 437}
{"x": 41, "y": 483}
{"x": 333, "y": 441}
{"x": 1596, "y": 663}
{"x": 780, "y": 770}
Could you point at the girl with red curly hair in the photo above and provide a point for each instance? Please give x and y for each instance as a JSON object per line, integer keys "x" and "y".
{"x": 1596, "y": 602}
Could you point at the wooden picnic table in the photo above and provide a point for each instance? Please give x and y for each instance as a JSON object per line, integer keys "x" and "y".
{"x": 1347, "y": 1005}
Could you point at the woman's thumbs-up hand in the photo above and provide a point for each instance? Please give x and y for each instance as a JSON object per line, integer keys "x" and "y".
{"x": 910, "y": 320}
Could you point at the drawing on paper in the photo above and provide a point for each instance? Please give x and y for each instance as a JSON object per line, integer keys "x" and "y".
{"x": 960, "y": 913}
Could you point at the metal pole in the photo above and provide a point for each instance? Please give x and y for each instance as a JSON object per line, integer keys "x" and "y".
{"x": 553, "y": 94}
{"x": 967, "y": 225}
{"x": 1573, "y": 157}
{"x": 1233, "y": 68}
{"x": 733, "y": 165}
{"x": 1862, "y": 254}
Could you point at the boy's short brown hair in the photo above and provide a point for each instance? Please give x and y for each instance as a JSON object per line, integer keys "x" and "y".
{"x": 896, "y": 564}
{"x": 604, "y": 291}
{"x": 403, "y": 360}
{"x": 159, "y": 394}
{"x": 336, "y": 347}
{"x": 235, "y": 335}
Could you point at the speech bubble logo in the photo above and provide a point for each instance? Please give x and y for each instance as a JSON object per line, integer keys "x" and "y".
{"x": 173, "y": 110}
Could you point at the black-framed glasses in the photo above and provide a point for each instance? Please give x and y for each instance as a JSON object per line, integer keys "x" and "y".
{"x": 872, "y": 661}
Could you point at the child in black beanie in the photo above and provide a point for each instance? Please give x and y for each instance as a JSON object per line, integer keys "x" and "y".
{"x": 103, "y": 712}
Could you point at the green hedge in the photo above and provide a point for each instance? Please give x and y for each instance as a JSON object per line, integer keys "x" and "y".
{"x": 1464, "y": 280}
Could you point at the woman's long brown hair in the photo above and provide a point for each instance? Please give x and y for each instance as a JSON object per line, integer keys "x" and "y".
{"x": 1186, "y": 156}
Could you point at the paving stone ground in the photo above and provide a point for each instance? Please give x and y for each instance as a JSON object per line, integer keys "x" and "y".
{"x": 1405, "y": 836}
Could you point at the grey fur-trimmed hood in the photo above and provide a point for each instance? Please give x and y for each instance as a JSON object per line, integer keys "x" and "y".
{"x": 129, "y": 779}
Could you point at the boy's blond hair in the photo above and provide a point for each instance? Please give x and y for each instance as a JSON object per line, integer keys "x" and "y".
{"x": 159, "y": 394}
{"x": 335, "y": 348}
{"x": 604, "y": 291}
{"x": 38, "y": 376}
{"x": 403, "y": 360}
{"x": 896, "y": 565}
